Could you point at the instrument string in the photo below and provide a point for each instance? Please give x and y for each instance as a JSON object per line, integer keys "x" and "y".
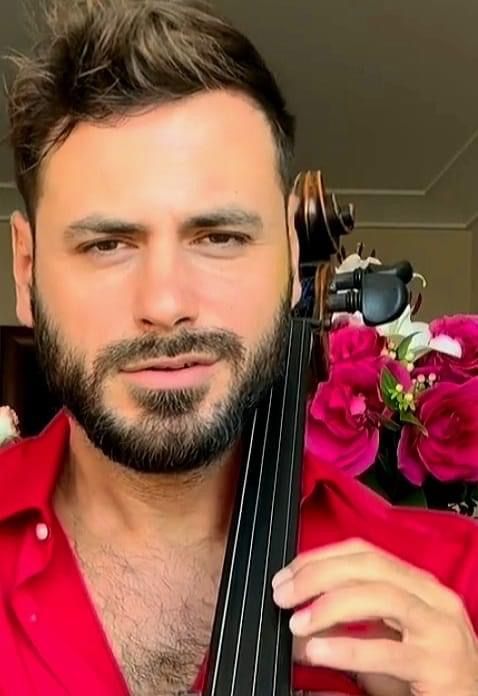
{"x": 267, "y": 556}
{"x": 289, "y": 539}
{"x": 222, "y": 632}
{"x": 258, "y": 435}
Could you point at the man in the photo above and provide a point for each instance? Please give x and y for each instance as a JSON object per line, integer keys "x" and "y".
{"x": 157, "y": 266}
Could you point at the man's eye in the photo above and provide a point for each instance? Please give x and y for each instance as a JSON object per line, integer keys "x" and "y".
{"x": 224, "y": 239}
{"x": 104, "y": 246}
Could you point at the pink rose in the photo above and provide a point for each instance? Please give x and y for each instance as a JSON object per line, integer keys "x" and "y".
{"x": 343, "y": 424}
{"x": 355, "y": 343}
{"x": 449, "y": 452}
{"x": 464, "y": 329}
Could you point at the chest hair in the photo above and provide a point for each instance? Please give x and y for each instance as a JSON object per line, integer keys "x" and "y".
{"x": 156, "y": 612}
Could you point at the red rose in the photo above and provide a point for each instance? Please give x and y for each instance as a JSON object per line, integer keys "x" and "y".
{"x": 355, "y": 343}
{"x": 343, "y": 424}
{"x": 449, "y": 449}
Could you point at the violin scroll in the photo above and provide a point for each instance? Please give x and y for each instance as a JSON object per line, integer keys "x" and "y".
{"x": 320, "y": 222}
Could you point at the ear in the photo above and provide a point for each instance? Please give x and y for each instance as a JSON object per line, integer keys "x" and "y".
{"x": 292, "y": 206}
{"x": 23, "y": 248}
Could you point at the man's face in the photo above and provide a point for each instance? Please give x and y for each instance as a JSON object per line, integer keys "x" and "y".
{"x": 163, "y": 278}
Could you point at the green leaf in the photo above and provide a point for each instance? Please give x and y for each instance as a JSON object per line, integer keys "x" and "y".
{"x": 388, "y": 385}
{"x": 387, "y": 380}
{"x": 404, "y": 346}
{"x": 407, "y": 417}
{"x": 389, "y": 402}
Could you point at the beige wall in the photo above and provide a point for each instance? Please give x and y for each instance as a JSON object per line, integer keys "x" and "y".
{"x": 474, "y": 271}
{"x": 448, "y": 260}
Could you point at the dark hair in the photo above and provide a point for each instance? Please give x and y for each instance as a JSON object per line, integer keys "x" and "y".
{"x": 99, "y": 59}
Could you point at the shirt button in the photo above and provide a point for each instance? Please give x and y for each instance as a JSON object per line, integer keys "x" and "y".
{"x": 42, "y": 532}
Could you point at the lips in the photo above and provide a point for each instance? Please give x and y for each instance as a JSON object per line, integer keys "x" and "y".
{"x": 170, "y": 374}
{"x": 169, "y": 368}
{"x": 170, "y": 364}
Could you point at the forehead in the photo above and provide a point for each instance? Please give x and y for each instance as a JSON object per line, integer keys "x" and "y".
{"x": 214, "y": 145}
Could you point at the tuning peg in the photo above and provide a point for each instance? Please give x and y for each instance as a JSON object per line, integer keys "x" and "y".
{"x": 381, "y": 299}
{"x": 347, "y": 281}
{"x": 354, "y": 280}
{"x": 401, "y": 269}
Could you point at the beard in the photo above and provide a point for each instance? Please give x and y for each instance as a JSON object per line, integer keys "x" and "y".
{"x": 170, "y": 435}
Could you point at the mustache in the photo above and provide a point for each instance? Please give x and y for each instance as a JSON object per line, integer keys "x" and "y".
{"x": 217, "y": 344}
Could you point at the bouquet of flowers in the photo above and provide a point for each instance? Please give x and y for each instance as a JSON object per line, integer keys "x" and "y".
{"x": 400, "y": 408}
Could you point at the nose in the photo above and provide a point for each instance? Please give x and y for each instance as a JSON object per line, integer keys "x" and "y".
{"x": 166, "y": 293}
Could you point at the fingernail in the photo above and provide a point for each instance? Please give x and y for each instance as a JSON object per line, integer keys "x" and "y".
{"x": 283, "y": 594}
{"x": 282, "y": 576}
{"x": 299, "y": 622}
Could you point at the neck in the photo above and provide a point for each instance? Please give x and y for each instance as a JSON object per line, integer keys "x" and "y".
{"x": 123, "y": 507}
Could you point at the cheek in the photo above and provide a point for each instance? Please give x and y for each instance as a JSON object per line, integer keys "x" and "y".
{"x": 246, "y": 301}
{"x": 86, "y": 311}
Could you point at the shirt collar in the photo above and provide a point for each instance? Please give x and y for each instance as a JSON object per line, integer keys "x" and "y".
{"x": 29, "y": 471}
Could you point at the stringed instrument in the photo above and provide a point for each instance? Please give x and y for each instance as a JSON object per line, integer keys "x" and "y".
{"x": 251, "y": 646}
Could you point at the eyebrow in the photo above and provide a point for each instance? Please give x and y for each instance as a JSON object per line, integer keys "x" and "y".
{"x": 220, "y": 217}
{"x": 225, "y": 217}
{"x": 101, "y": 224}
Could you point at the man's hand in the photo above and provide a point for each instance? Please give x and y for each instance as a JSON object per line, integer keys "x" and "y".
{"x": 420, "y": 640}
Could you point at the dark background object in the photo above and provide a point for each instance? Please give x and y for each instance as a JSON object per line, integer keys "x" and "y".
{"x": 22, "y": 385}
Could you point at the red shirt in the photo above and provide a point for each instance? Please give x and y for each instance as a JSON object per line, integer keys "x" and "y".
{"x": 51, "y": 639}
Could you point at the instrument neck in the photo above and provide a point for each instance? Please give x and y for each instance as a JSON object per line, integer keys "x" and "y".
{"x": 251, "y": 647}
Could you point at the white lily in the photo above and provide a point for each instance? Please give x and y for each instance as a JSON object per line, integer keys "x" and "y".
{"x": 353, "y": 261}
{"x": 444, "y": 344}
{"x": 422, "y": 341}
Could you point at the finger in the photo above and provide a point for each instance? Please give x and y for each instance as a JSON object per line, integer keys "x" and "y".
{"x": 367, "y": 602}
{"x": 371, "y": 630}
{"x": 343, "y": 548}
{"x": 346, "y": 549}
{"x": 322, "y": 576}
{"x": 313, "y": 573}
{"x": 395, "y": 659}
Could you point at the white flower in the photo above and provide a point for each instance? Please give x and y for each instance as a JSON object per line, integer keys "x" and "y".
{"x": 404, "y": 326}
{"x": 422, "y": 341}
{"x": 353, "y": 261}
{"x": 8, "y": 424}
{"x": 447, "y": 345}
